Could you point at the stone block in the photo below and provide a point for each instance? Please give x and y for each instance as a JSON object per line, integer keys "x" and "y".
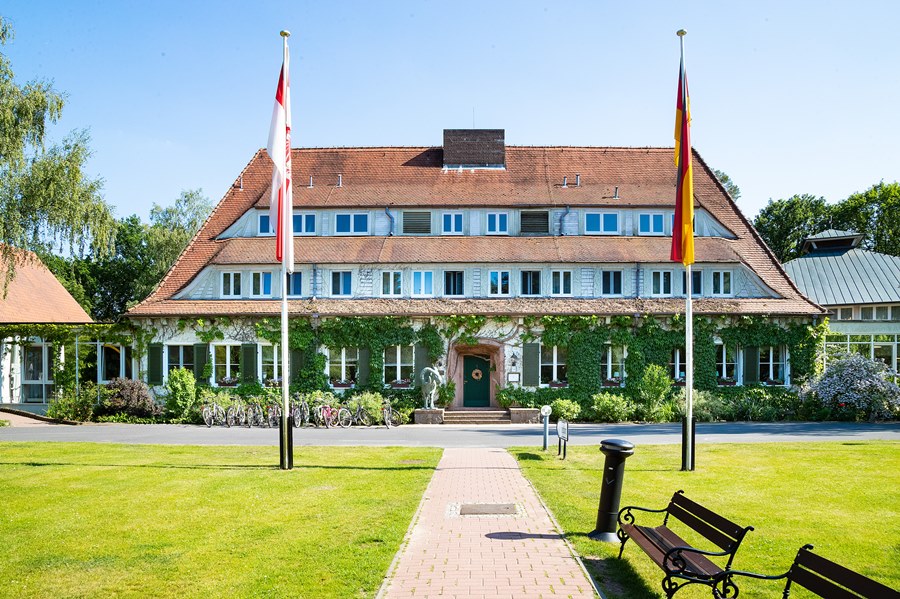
{"x": 524, "y": 415}
{"x": 422, "y": 416}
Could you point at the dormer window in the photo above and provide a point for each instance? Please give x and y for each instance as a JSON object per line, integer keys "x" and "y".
{"x": 265, "y": 226}
{"x": 601, "y": 223}
{"x": 351, "y": 224}
{"x": 452, "y": 223}
{"x": 231, "y": 284}
{"x": 721, "y": 282}
{"x": 261, "y": 284}
{"x": 497, "y": 223}
{"x": 304, "y": 223}
{"x": 650, "y": 223}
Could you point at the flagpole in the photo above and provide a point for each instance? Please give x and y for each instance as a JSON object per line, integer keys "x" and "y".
{"x": 687, "y": 447}
{"x": 286, "y": 442}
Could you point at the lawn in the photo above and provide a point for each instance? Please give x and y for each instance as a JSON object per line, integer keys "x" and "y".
{"x": 844, "y": 498}
{"x": 98, "y": 520}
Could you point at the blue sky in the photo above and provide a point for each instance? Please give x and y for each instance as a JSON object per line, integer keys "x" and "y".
{"x": 787, "y": 97}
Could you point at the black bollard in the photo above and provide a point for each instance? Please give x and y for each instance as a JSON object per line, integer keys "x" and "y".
{"x": 616, "y": 452}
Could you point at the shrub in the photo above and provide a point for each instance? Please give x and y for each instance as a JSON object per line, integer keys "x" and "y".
{"x": 181, "y": 393}
{"x": 446, "y": 394}
{"x": 131, "y": 397}
{"x": 79, "y": 408}
{"x": 649, "y": 392}
{"x": 565, "y": 409}
{"x": 611, "y": 407}
{"x": 371, "y": 403}
{"x": 856, "y": 388}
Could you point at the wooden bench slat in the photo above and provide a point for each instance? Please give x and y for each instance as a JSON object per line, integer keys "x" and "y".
{"x": 711, "y": 533}
{"x": 819, "y": 585}
{"x": 854, "y": 581}
{"x": 724, "y": 524}
{"x": 656, "y": 542}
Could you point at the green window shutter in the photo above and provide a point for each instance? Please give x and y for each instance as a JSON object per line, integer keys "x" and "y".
{"x": 155, "y": 364}
{"x": 751, "y": 365}
{"x": 362, "y": 367}
{"x": 296, "y": 364}
{"x": 201, "y": 357}
{"x": 531, "y": 364}
{"x": 420, "y": 362}
{"x": 248, "y": 363}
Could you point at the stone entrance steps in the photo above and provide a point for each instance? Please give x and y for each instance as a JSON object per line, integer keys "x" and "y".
{"x": 476, "y": 417}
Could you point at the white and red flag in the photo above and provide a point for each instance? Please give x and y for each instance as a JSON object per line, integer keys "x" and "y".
{"x": 279, "y": 149}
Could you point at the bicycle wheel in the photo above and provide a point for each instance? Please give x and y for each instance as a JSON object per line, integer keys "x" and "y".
{"x": 295, "y": 414}
{"x": 328, "y": 417}
{"x": 274, "y": 414}
{"x": 386, "y": 416}
{"x": 364, "y": 419}
{"x": 207, "y": 416}
{"x": 254, "y": 416}
{"x": 395, "y": 417}
{"x": 304, "y": 413}
{"x": 219, "y": 415}
{"x": 344, "y": 418}
{"x": 231, "y": 416}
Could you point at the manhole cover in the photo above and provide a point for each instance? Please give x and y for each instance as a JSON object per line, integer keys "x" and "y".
{"x": 487, "y": 509}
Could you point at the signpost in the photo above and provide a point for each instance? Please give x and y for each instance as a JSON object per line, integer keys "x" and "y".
{"x": 562, "y": 431}
{"x": 545, "y": 414}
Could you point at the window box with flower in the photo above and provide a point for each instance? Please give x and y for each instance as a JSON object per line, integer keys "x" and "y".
{"x": 228, "y": 381}
{"x": 679, "y": 382}
{"x": 401, "y": 384}
{"x": 613, "y": 382}
{"x": 726, "y": 381}
{"x": 558, "y": 384}
{"x": 342, "y": 384}
{"x": 773, "y": 382}
{"x": 273, "y": 383}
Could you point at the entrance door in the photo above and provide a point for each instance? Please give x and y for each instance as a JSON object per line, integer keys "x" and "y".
{"x": 476, "y": 382}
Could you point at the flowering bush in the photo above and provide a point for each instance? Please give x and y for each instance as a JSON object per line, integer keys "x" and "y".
{"x": 611, "y": 407}
{"x": 181, "y": 392}
{"x": 855, "y": 388}
{"x": 565, "y": 409}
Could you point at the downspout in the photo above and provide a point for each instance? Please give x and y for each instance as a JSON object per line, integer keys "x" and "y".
{"x": 314, "y": 285}
{"x": 562, "y": 218}
{"x": 387, "y": 210}
{"x": 637, "y": 280}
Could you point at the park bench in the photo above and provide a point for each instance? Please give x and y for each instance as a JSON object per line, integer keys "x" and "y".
{"x": 682, "y": 563}
{"x": 816, "y": 574}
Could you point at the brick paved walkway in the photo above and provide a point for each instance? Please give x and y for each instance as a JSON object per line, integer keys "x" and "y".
{"x": 468, "y": 556}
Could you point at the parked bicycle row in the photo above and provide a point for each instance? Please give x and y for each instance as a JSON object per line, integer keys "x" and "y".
{"x": 266, "y": 412}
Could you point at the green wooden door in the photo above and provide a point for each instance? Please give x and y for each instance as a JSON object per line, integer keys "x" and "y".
{"x": 476, "y": 382}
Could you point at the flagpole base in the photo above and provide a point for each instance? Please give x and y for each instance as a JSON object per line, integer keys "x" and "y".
{"x": 688, "y": 444}
{"x": 286, "y": 442}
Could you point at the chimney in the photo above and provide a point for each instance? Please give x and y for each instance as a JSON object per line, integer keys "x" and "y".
{"x": 616, "y": 194}
{"x": 565, "y": 182}
{"x": 474, "y": 148}
{"x": 340, "y": 180}
{"x": 577, "y": 180}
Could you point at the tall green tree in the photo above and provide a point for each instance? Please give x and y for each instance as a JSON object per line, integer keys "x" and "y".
{"x": 46, "y": 199}
{"x": 783, "y": 224}
{"x": 730, "y": 186}
{"x": 876, "y": 214}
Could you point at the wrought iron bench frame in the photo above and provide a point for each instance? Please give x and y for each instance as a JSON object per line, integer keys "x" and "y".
{"x": 682, "y": 563}
{"x": 817, "y": 575}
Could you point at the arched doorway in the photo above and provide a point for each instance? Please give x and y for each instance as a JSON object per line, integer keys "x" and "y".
{"x": 477, "y": 371}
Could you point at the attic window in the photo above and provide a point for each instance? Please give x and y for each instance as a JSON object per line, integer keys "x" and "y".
{"x": 534, "y": 221}
{"x": 417, "y": 223}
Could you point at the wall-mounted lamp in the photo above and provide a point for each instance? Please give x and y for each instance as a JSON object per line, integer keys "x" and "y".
{"x": 514, "y": 359}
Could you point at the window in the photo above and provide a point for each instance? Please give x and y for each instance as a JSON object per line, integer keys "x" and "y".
{"x": 604, "y": 223}
{"x": 497, "y": 223}
{"x": 231, "y": 284}
{"x": 771, "y": 365}
{"x": 304, "y": 223}
{"x": 612, "y": 365}
{"x": 697, "y": 282}
{"x": 416, "y": 223}
{"x": 650, "y": 224}
{"x": 677, "y": 364}
{"x": 261, "y": 284}
{"x": 867, "y": 313}
{"x": 661, "y": 282}
{"x": 294, "y": 284}
{"x": 423, "y": 283}
{"x": 115, "y": 361}
{"x": 181, "y": 356}
{"x": 721, "y": 284}
{"x": 895, "y": 314}
{"x": 611, "y": 282}
{"x": 534, "y": 221}
{"x": 37, "y": 386}
{"x": 453, "y": 223}
{"x": 726, "y": 361}
{"x": 561, "y": 282}
{"x": 391, "y": 283}
{"x": 398, "y": 365}
{"x": 499, "y": 282}
{"x": 553, "y": 365}
{"x": 351, "y": 224}
{"x": 845, "y": 313}
{"x": 264, "y": 227}
{"x": 531, "y": 282}
{"x": 340, "y": 282}
{"x": 270, "y": 360}
{"x": 453, "y": 282}
{"x": 882, "y": 313}
{"x": 226, "y": 364}
{"x": 343, "y": 366}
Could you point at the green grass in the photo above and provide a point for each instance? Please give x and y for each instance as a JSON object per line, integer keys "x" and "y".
{"x": 844, "y": 498}
{"x": 97, "y": 520}
{"x": 4, "y": 423}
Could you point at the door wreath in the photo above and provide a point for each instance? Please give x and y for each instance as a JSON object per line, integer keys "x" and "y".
{"x": 477, "y": 374}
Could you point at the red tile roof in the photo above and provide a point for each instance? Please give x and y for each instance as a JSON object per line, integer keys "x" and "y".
{"x": 36, "y": 296}
{"x": 379, "y": 177}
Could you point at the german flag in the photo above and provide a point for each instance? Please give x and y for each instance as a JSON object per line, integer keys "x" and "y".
{"x": 683, "y": 229}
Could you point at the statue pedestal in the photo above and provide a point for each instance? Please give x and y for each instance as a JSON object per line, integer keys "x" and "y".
{"x": 421, "y": 416}
{"x": 524, "y": 416}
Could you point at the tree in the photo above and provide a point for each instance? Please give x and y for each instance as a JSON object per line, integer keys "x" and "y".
{"x": 783, "y": 224}
{"x": 730, "y": 186}
{"x": 45, "y": 197}
{"x": 170, "y": 231}
{"x": 876, "y": 214}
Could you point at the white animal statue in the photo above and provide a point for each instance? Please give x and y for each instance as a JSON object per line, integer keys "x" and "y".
{"x": 431, "y": 380}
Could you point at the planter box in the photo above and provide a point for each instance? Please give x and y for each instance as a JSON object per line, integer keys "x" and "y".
{"x": 398, "y": 386}
{"x": 727, "y": 383}
{"x": 611, "y": 384}
{"x": 558, "y": 385}
{"x": 524, "y": 416}
{"x": 342, "y": 385}
{"x": 421, "y": 416}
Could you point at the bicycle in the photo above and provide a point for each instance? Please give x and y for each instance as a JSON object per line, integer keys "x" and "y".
{"x": 360, "y": 416}
{"x": 254, "y": 415}
{"x": 273, "y": 415}
{"x": 236, "y": 415}
{"x": 212, "y": 414}
{"x": 300, "y": 412}
{"x": 390, "y": 415}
